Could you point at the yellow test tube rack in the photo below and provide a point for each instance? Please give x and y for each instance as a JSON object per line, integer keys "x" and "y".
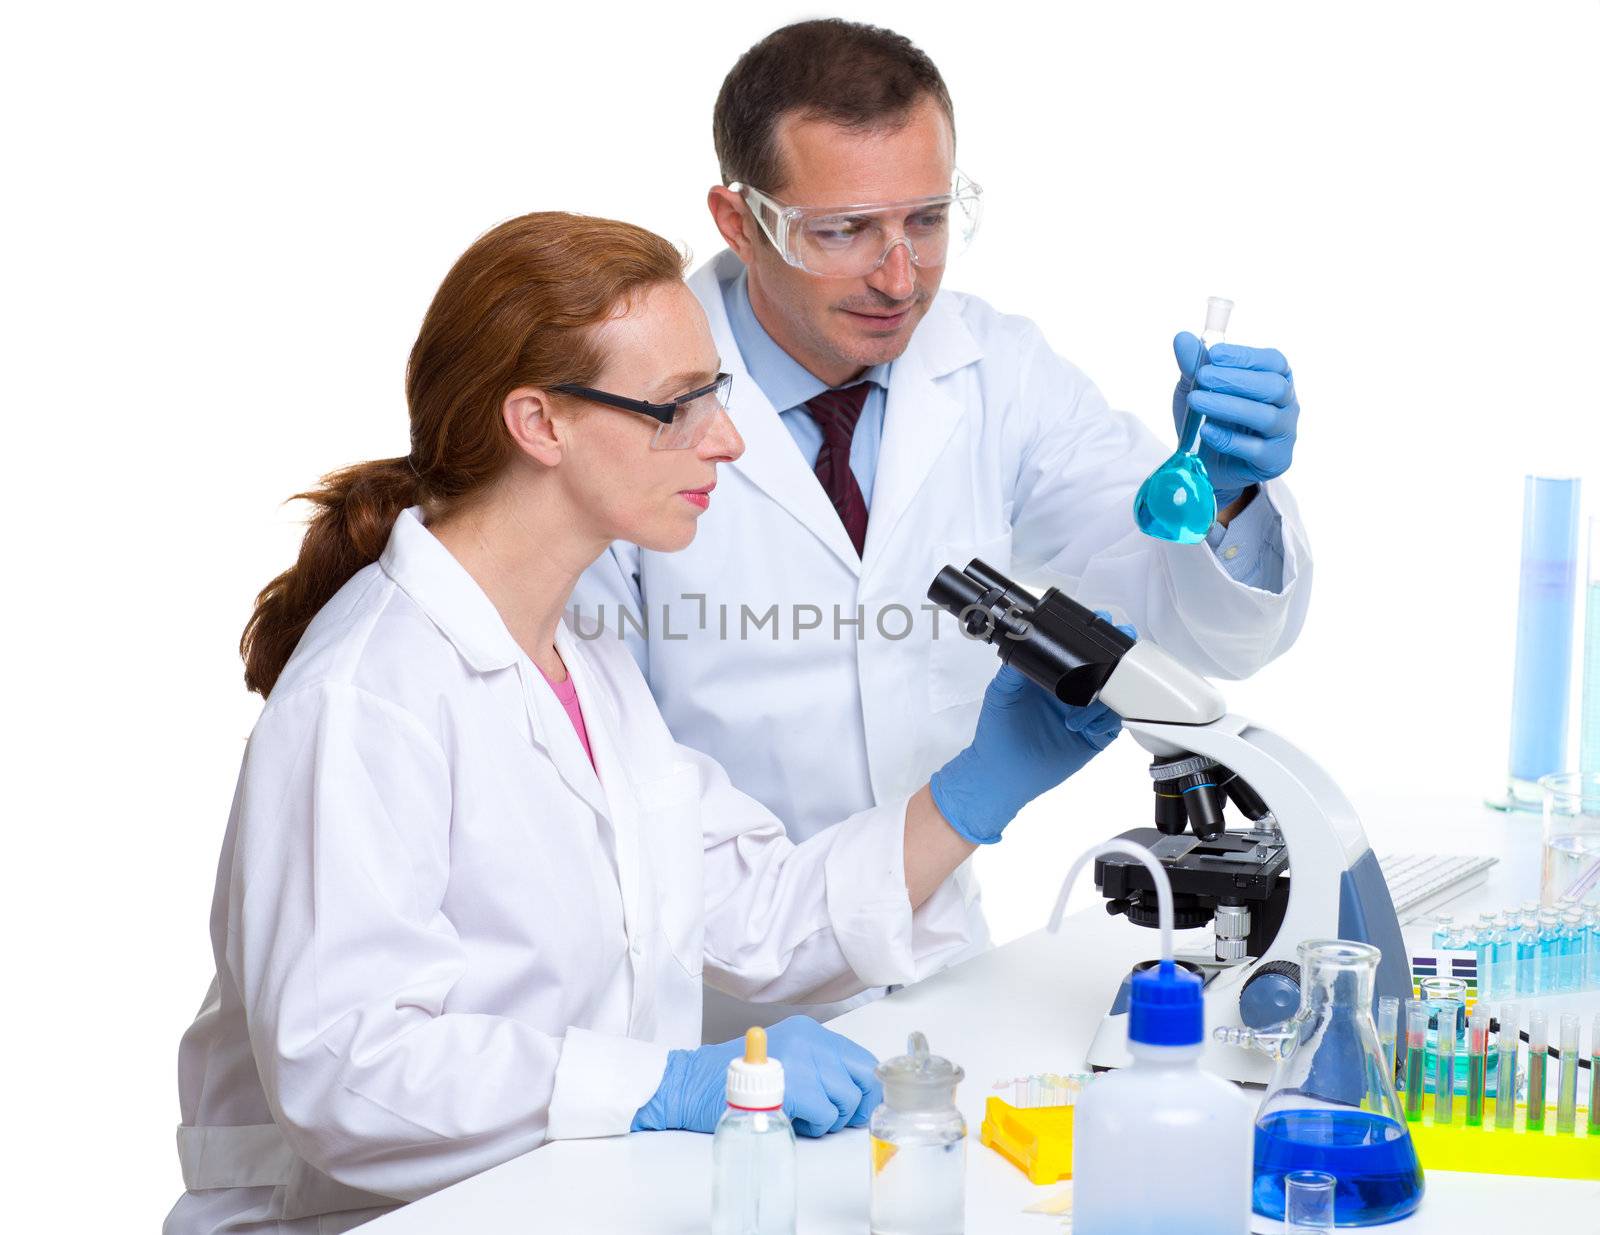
{"x": 1488, "y": 1150}
{"x": 1037, "y": 1139}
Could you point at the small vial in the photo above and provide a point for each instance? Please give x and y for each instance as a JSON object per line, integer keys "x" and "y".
{"x": 1477, "y": 1058}
{"x": 1538, "y": 1060}
{"x": 1574, "y": 940}
{"x": 1444, "y": 924}
{"x": 1503, "y": 968}
{"x": 1550, "y": 948}
{"x": 1444, "y": 1073}
{"x": 1483, "y": 944}
{"x": 1505, "y": 1077}
{"x": 1388, "y": 1027}
{"x": 1567, "y": 1085}
{"x": 1416, "y": 1048}
{"x": 1527, "y": 937}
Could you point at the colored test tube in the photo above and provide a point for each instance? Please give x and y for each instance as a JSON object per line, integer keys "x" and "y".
{"x": 1477, "y": 1050}
{"x": 1388, "y": 1026}
{"x": 1416, "y": 1047}
{"x": 1594, "y": 1077}
{"x": 1567, "y": 1085}
{"x": 1444, "y": 1069}
{"x": 1505, "y": 1077}
{"x": 1538, "y": 1059}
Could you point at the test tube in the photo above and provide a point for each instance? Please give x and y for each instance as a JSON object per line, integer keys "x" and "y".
{"x": 1538, "y": 1058}
{"x": 1477, "y": 1049}
{"x": 1416, "y": 1046}
{"x": 1388, "y": 1026}
{"x": 1594, "y": 1077}
{"x": 1444, "y": 1069}
{"x": 1567, "y": 1087}
{"x": 1505, "y": 1076}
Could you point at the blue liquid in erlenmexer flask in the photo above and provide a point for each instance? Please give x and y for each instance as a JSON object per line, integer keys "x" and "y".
{"x": 1177, "y": 501}
{"x": 1370, "y": 1155}
{"x": 1331, "y": 1103}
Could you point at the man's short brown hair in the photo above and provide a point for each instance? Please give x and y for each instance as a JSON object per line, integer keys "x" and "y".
{"x": 844, "y": 72}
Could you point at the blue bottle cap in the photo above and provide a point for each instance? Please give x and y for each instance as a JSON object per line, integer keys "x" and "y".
{"x": 1165, "y": 1007}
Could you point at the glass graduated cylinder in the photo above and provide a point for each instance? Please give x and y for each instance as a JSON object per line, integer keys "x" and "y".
{"x": 1177, "y": 501}
{"x": 1331, "y": 1104}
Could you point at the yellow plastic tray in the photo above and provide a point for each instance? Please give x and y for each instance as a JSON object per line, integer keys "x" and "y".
{"x": 1038, "y": 1139}
{"x": 1506, "y": 1151}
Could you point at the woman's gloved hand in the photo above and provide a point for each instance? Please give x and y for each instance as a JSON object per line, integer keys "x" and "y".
{"x": 828, "y": 1082}
{"x": 1252, "y": 414}
{"x": 1027, "y": 741}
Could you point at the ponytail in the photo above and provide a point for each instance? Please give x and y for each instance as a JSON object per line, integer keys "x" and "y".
{"x": 518, "y": 309}
{"x": 356, "y": 509}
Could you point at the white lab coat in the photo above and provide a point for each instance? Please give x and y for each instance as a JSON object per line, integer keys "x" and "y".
{"x": 994, "y": 447}
{"x": 441, "y": 939}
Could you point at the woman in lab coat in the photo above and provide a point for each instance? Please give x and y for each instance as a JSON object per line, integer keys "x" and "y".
{"x": 470, "y": 883}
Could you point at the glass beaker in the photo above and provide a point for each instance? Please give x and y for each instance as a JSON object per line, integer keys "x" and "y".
{"x": 919, "y": 1146}
{"x": 1571, "y": 868}
{"x": 1331, "y": 1103}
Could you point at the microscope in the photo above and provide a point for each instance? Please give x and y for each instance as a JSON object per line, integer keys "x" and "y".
{"x": 1299, "y": 868}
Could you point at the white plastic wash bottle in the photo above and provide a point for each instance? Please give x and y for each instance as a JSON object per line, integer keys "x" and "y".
{"x": 1160, "y": 1146}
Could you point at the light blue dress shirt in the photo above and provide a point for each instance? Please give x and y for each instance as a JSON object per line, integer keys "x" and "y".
{"x": 1250, "y": 548}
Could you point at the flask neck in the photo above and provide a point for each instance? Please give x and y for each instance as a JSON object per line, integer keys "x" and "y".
{"x": 1164, "y": 1056}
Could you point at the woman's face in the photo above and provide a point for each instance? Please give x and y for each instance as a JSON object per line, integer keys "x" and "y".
{"x": 660, "y": 349}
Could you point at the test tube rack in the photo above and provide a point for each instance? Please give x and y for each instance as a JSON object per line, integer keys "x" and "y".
{"x": 1037, "y": 1139}
{"x": 1487, "y": 1150}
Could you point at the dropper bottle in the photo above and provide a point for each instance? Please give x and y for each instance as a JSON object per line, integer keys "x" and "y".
{"x": 752, "y": 1154}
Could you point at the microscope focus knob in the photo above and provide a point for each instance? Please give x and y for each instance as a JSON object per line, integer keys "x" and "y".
{"x": 1272, "y": 994}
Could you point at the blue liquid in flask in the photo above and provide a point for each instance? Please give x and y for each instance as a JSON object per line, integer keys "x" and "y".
{"x": 1177, "y": 501}
{"x": 1370, "y": 1155}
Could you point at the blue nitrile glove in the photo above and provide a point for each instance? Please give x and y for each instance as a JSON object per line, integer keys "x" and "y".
{"x": 1247, "y": 396}
{"x": 1027, "y": 741}
{"x": 828, "y": 1082}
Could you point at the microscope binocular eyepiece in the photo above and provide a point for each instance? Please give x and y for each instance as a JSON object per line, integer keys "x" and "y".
{"x": 1052, "y": 640}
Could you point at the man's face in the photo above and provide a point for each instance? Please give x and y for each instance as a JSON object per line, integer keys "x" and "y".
{"x": 837, "y": 327}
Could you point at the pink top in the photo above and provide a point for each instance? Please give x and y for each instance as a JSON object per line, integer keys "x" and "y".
{"x": 568, "y": 694}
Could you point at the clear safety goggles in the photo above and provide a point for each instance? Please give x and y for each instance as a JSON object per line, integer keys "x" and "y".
{"x": 681, "y": 424}
{"x": 848, "y": 242}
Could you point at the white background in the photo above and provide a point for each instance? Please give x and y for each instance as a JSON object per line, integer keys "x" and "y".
{"x": 222, "y": 226}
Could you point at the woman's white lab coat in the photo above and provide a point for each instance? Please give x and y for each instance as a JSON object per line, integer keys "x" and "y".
{"x": 441, "y": 939}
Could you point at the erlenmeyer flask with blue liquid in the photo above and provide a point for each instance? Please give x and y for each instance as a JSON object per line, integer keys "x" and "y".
{"x": 1177, "y": 501}
{"x": 1331, "y": 1104}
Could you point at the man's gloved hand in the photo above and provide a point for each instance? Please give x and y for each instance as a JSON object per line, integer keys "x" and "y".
{"x": 828, "y": 1082}
{"x": 1027, "y": 741}
{"x": 1247, "y": 396}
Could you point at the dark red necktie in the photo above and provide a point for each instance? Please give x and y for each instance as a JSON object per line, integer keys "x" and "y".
{"x": 836, "y": 413}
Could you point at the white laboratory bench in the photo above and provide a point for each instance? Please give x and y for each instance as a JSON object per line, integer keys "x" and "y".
{"x": 1028, "y": 1006}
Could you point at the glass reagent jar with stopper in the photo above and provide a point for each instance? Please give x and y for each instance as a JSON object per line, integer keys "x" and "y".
{"x": 1177, "y": 501}
{"x": 752, "y": 1153}
{"x": 919, "y": 1146}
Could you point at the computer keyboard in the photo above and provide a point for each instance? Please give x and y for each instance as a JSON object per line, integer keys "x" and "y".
{"x": 1420, "y": 881}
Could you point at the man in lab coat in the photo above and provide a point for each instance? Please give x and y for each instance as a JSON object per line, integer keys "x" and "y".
{"x": 892, "y": 428}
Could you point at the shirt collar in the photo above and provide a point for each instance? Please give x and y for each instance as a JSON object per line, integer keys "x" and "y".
{"x": 784, "y": 380}
{"x": 441, "y": 587}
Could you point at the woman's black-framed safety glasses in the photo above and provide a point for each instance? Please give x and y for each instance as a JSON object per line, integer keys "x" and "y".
{"x": 683, "y": 421}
